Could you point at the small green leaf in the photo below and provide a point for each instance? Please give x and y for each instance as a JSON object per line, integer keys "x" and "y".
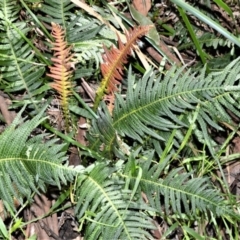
{"x": 224, "y": 6}
{"x": 17, "y": 225}
{"x": 3, "y": 229}
{"x": 193, "y": 233}
{"x": 33, "y": 237}
{"x": 60, "y": 200}
{"x": 142, "y": 20}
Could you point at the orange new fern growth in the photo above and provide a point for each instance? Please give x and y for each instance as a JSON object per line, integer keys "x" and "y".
{"x": 60, "y": 71}
{"x": 112, "y": 67}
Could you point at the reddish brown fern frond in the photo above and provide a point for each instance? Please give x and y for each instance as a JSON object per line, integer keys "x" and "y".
{"x": 60, "y": 71}
{"x": 114, "y": 58}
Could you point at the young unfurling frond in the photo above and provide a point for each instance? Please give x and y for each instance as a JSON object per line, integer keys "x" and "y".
{"x": 113, "y": 60}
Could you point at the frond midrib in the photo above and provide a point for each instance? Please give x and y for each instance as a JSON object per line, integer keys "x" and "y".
{"x": 112, "y": 204}
{"x": 157, "y": 101}
{"x": 161, "y": 185}
{"x": 40, "y": 161}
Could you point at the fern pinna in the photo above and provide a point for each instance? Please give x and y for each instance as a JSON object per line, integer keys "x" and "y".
{"x": 60, "y": 71}
{"x": 113, "y": 60}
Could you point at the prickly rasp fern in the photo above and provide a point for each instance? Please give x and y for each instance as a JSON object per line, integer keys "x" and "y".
{"x": 111, "y": 198}
{"x": 156, "y": 105}
{"x": 111, "y": 213}
{"x": 151, "y": 182}
{"x": 178, "y": 191}
{"x": 108, "y": 197}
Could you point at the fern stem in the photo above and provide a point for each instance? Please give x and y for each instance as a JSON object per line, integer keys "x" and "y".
{"x": 37, "y": 21}
{"x": 37, "y": 52}
{"x": 68, "y": 139}
{"x": 85, "y": 105}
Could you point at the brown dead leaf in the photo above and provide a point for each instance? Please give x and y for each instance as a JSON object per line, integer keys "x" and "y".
{"x": 46, "y": 227}
{"x": 143, "y": 6}
{"x": 8, "y": 115}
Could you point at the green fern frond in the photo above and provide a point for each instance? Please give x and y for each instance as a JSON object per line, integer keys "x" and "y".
{"x": 9, "y": 11}
{"x": 210, "y": 40}
{"x": 78, "y": 27}
{"x": 110, "y": 201}
{"x": 56, "y": 11}
{"x": 81, "y": 28}
{"x": 106, "y": 206}
{"x": 181, "y": 193}
{"x": 178, "y": 192}
{"x": 19, "y": 70}
{"x": 155, "y": 104}
{"x": 91, "y": 49}
{"x": 27, "y": 166}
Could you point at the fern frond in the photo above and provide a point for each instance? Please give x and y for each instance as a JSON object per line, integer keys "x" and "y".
{"x": 88, "y": 50}
{"x": 112, "y": 67}
{"x": 60, "y": 71}
{"x": 19, "y": 67}
{"x": 114, "y": 217}
{"x": 56, "y": 11}
{"x": 155, "y": 104}
{"x": 27, "y": 166}
{"x": 77, "y": 26}
{"x": 179, "y": 192}
{"x": 210, "y": 40}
